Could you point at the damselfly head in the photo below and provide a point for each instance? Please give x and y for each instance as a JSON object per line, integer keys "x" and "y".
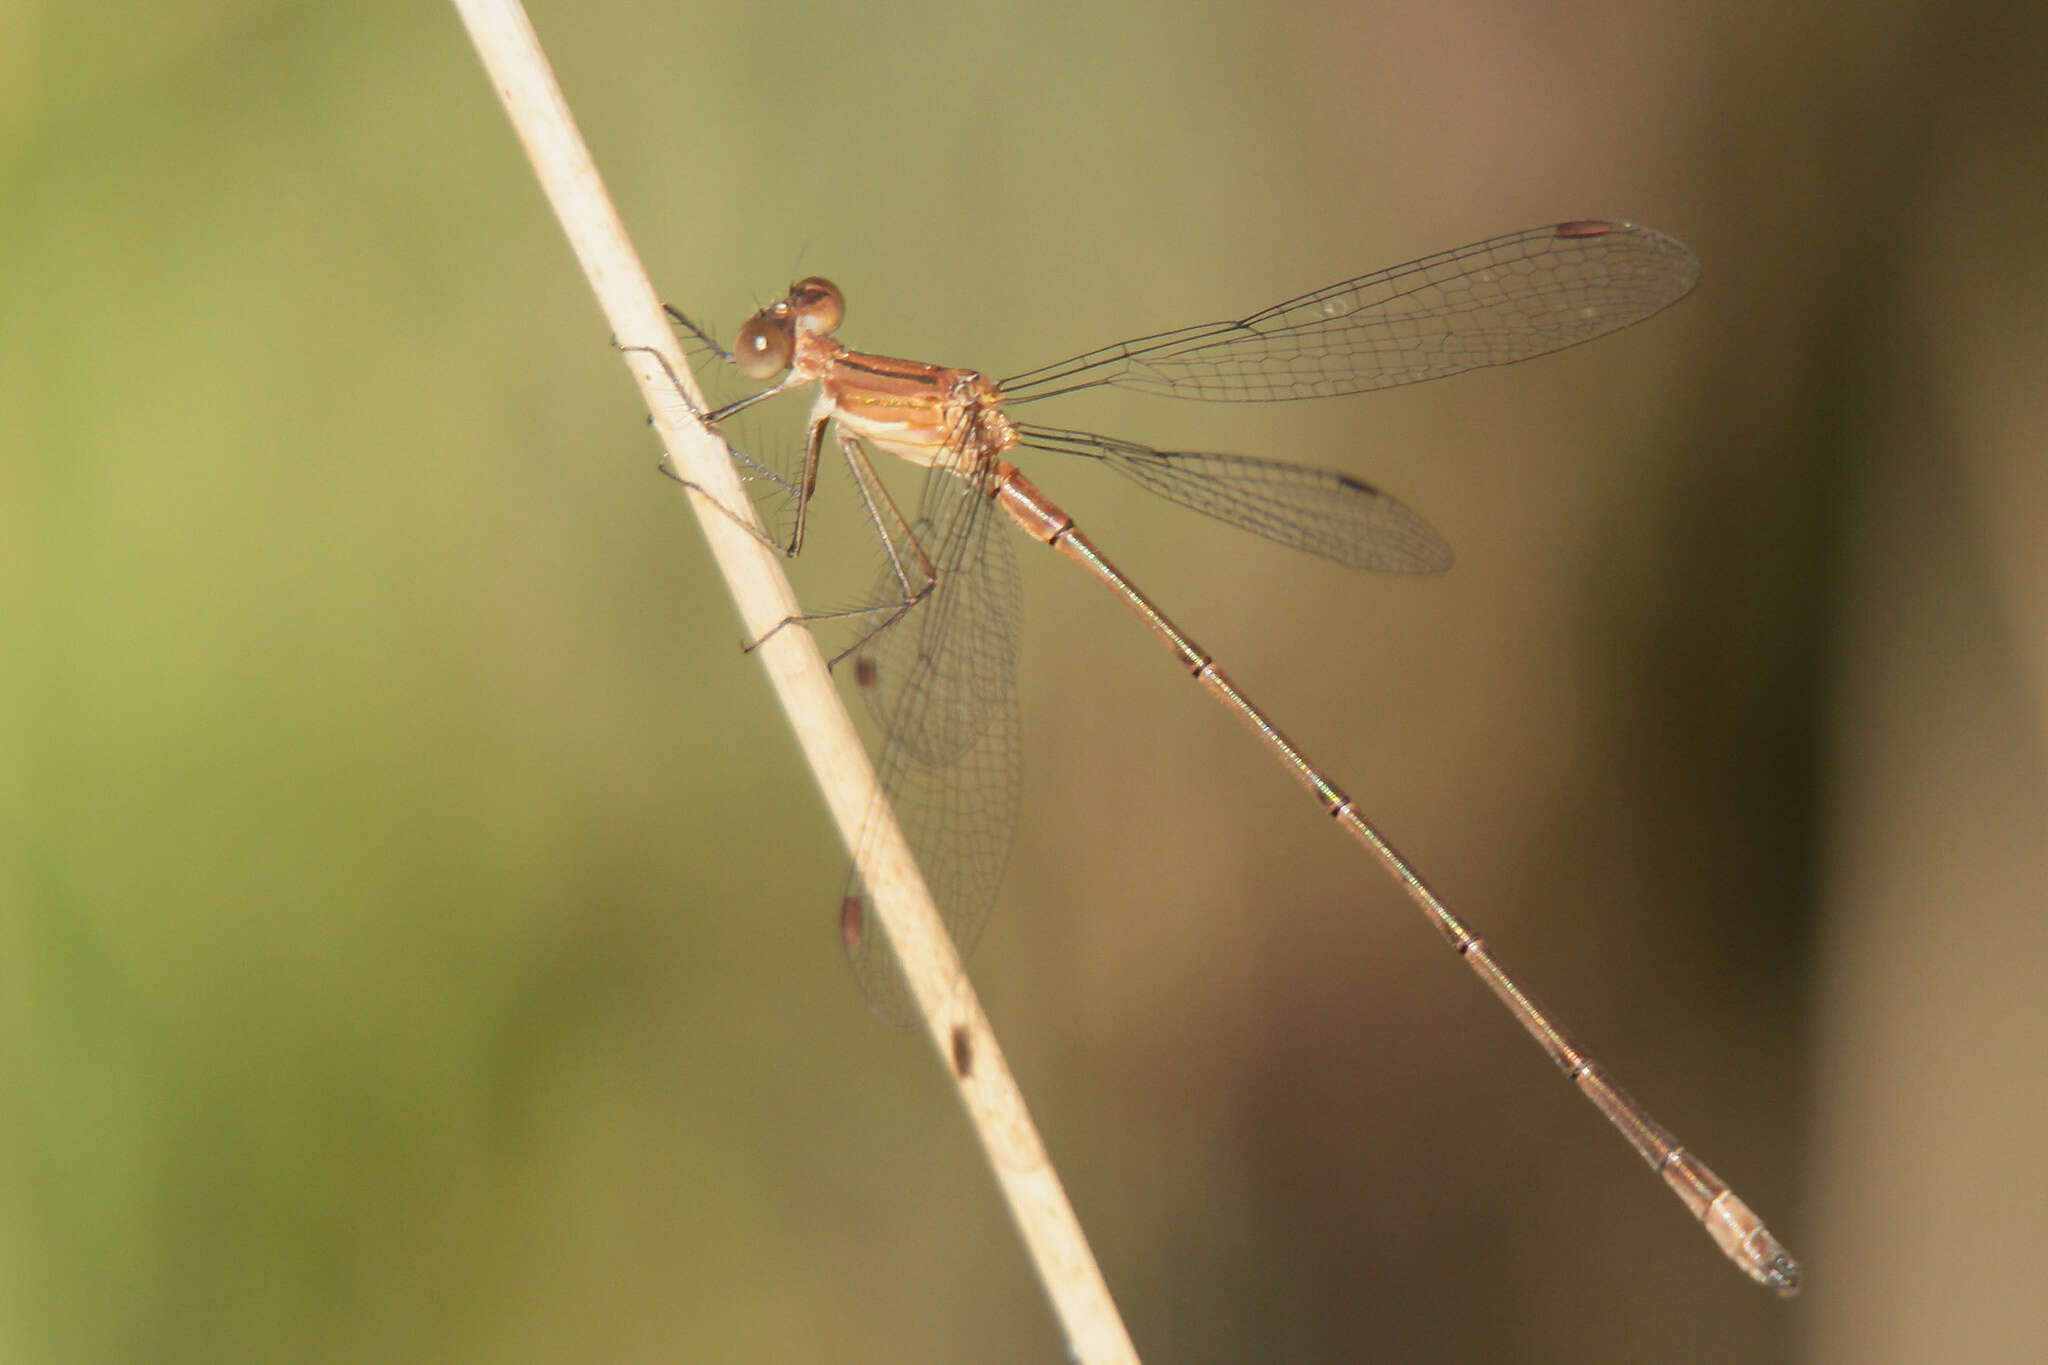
{"x": 767, "y": 340}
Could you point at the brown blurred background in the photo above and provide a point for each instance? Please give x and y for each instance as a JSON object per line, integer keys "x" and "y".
{"x": 416, "y": 936}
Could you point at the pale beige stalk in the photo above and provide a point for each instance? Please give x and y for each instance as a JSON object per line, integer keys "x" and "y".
{"x": 959, "y": 1030}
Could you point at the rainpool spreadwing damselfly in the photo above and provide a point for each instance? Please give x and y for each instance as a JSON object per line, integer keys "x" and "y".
{"x": 936, "y": 653}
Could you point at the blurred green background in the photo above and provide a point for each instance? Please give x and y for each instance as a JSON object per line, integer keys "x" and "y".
{"x": 416, "y": 931}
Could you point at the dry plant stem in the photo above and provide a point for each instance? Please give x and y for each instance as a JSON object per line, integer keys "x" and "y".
{"x": 519, "y": 72}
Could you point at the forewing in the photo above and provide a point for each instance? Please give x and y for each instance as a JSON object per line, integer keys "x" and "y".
{"x": 940, "y": 682}
{"x": 1491, "y": 303}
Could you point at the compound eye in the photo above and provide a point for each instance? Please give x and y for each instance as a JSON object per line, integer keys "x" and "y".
{"x": 818, "y": 304}
{"x": 762, "y": 350}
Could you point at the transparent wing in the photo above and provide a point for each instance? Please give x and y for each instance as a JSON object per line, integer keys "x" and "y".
{"x": 1295, "y": 505}
{"x": 1492, "y": 303}
{"x": 940, "y": 683}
